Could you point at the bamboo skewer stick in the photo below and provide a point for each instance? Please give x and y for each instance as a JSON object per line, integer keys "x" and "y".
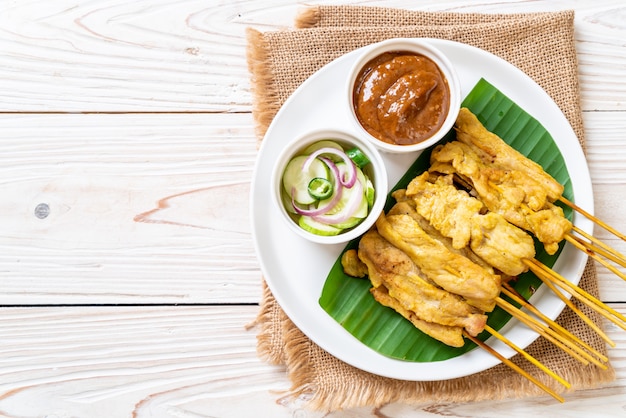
{"x": 593, "y": 306}
{"x": 600, "y": 248}
{"x": 549, "y": 334}
{"x": 593, "y": 218}
{"x": 527, "y": 356}
{"x": 593, "y": 254}
{"x": 616, "y": 254}
{"x": 591, "y": 249}
{"x": 513, "y": 294}
{"x": 579, "y": 291}
{"x": 514, "y": 366}
{"x": 573, "y": 307}
{"x": 584, "y": 297}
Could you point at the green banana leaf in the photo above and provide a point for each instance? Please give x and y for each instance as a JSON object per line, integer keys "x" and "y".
{"x": 348, "y": 300}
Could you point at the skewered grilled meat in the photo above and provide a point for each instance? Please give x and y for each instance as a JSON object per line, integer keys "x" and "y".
{"x": 449, "y": 270}
{"x": 390, "y": 267}
{"x": 449, "y": 335}
{"x": 432, "y": 256}
{"x": 459, "y": 216}
{"x": 505, "y": 180}
{"x": 492, "y": 149}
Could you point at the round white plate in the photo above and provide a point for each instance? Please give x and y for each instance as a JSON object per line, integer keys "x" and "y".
{"x": 295, "y": 269}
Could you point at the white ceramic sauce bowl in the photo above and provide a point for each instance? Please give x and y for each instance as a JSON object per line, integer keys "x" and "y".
{"x": 413, "y": 46}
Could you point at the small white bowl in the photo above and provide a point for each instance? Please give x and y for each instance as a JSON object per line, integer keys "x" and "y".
{"x": 416, "y": 46}
{"x": 375, "y": 170}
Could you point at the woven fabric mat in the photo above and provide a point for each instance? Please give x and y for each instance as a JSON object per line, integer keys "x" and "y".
{"x": 541, "y": 45}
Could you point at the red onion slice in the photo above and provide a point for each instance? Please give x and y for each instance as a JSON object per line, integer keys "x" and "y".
{"x": 349, "y": 182}
{"x": 351, "y": 207}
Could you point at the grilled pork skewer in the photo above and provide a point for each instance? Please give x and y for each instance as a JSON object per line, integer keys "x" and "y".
{"x": 397, "y": 284}
{"x": 449, "y": 270}
{"x": 435, "y": 225}
{"x": 519, "y": 189}
{"x": 450, "y": 210}
{"x": 388, "y": 266}
{"x": 395, "y": 276}
{"x": 512, "y": 194}
{"x": 461, "y": 218}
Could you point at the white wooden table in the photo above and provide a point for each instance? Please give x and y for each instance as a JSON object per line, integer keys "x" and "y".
{"x": 127, "y": 270}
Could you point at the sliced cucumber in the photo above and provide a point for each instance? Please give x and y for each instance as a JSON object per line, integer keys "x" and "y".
{"x": 297, "y": 180}
{"x": 357, "y": 156}
{"x": 326, "y": 143}
{"x": 363, "y": 209}
{"x": 370, "y": 193}
{"x": 315, "y": 187}
{"x": 350, "y": 223}
{"x": 287, "y": 204}
{"x": 309, "y": 224}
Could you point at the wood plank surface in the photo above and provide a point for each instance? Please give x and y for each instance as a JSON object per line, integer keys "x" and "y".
{"x": 128, "y": 277}
{"x": 142, "y": 209}
{"x": 155, "y": 210}
{"x": 197, "y": 362}
{"x": 185, "y": 56}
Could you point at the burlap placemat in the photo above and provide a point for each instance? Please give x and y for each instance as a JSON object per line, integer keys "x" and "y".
{"x": 540, "y": 44}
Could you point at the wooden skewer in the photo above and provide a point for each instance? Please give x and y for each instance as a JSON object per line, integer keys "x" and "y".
{"x": 513, "y": 294}
{"x": 565, "y": 345}
{"x": 576, "y": 242}
{"x": 593, "y": 218}
{"x": 616, "y": 254}
{"x": 584, "y": 297}
{"x": 593, "y": 306}
{"x": 579, "y": 291}
{"x": 573, "y": 307}
{"x": 527, "y": 356}
{"x": 513, "y": 366}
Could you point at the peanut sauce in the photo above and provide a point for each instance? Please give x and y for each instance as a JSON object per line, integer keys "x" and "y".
{"x": 401, "y": 97}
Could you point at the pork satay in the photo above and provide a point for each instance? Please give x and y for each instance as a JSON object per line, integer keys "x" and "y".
{"x": 459, "y": 216}
{"x": 390, "y": 267}
{"x": 492, "y": 148}
{"x": 512, "y": 194}
{"x": 447, "y": 209}
{"x": 449, "y": 270}
{"x": 406, "y": 206}
{"x": 449, "y": 335}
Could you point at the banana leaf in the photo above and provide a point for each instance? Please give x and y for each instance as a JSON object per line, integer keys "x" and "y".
{"x": 348, "y": 300}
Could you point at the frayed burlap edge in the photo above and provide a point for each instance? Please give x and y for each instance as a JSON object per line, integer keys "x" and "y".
{"x": 265, "y": 102}
{"x": 377, "y": 16}
{"x": 269, "y": 342}
{"x": 308, "y": 18}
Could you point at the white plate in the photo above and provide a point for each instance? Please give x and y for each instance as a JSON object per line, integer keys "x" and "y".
{"x": 295, "y": 270}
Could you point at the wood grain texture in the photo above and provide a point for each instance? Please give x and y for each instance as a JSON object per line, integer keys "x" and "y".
{"x": 155, "y": 210}
{"x": 137, "y": 361}
{"x": 143, "y": 209}
{"x": 148, "y": 209}
{"x": 190, "y": 55}
{"x": 606, "y": 153}
{"x": 122, "y": 56}
{"x": 194, "y": 362}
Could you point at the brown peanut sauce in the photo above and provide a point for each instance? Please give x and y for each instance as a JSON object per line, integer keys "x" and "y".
{"x": 401, "y": 97}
